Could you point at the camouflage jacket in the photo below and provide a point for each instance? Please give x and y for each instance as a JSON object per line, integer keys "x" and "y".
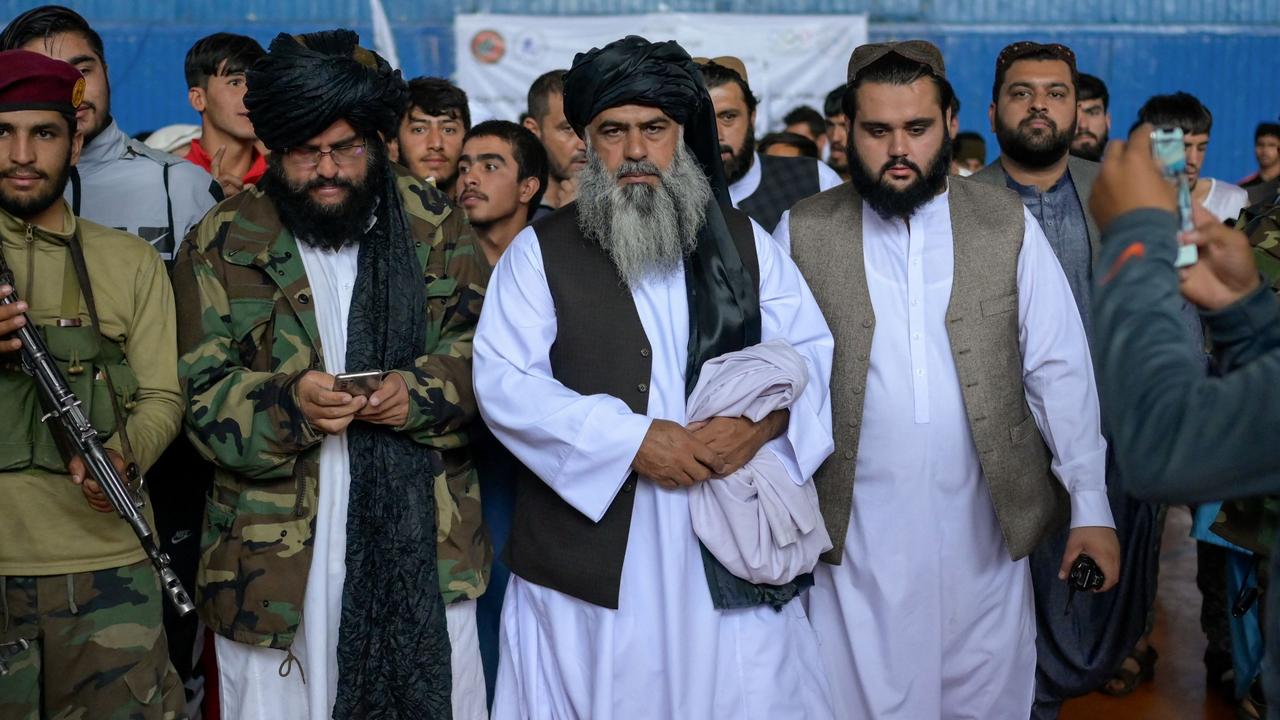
{"x": 1262, "y": 224}
{"x": 247, "y": 332}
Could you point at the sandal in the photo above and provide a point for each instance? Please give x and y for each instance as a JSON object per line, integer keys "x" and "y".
{"x": 1253, "y": 706}
{"x": 1127, "y": 678}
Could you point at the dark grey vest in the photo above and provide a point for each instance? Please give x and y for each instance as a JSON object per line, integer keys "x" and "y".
{"x": 982, "y": 326}
{"x": 600, "y": 347}
{"x": 783, "y": 182}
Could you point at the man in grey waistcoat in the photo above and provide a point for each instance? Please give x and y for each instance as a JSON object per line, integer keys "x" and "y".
{"x": 965, "y": 409}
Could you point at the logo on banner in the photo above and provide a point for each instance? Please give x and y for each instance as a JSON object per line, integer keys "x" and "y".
{"x": 488, "y": 46}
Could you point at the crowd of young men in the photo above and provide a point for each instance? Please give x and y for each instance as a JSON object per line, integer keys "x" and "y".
{"x": 500, "y": 520}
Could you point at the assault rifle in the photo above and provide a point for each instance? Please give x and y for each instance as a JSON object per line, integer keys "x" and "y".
{"x": 62, "y": 405}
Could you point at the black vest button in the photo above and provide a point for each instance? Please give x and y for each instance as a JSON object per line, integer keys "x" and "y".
{"x": 642, "y": 387}
{"x": 628, "y": 486}
{"x": 644, "y": 352}
{"x": 304, "y": 298}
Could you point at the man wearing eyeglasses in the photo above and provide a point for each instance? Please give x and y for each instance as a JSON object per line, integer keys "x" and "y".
{"x": 343, "y": 547}
{"x": 1033, "y": 113}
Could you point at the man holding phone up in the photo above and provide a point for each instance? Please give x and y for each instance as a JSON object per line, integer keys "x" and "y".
{"x": 318, "y": 545}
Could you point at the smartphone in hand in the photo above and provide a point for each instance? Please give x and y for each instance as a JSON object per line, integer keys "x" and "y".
{"x": 358, "y": 383}
{"x": 1171, "y": 155}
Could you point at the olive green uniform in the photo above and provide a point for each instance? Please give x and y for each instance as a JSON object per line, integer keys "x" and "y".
{"x": 75, "y": 582}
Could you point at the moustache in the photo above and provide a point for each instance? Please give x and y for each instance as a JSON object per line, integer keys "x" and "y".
{"x": 468, "y": 194}
{"x": 25, "y": 172}
{"x": 637, "y": 168}
{"x": 319, "y": 183}
{"x": 900, "y": 163}
{"x": 1043, "y": 117}
{"x": 726, "y": 150}
{"x": 1085, "y": 134}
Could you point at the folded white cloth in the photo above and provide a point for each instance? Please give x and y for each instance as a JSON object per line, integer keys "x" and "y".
{"x": 762, "y": 524}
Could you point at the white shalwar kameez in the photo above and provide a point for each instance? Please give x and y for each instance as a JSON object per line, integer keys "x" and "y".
{"x": 665, "y": 652}
{"x": 258, "y": 683}
{"x": 926, "y": 616}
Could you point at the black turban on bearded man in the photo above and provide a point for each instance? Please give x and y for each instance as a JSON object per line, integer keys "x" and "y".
{"x": 307, "y": 82}
{"x": 724, "y": 303}
{"x": 393, "y": 642}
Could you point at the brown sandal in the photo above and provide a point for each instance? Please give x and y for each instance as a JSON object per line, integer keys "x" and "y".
{"x": 1126, "y": 680}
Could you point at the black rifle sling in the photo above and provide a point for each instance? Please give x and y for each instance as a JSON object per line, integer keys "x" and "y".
{"x": 82, "y": 274}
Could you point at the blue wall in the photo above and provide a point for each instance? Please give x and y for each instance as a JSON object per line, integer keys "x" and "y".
{"x": 1224, "y": 51}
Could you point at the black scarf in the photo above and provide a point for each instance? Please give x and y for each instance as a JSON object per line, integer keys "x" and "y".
{"x": 393, "y": 643}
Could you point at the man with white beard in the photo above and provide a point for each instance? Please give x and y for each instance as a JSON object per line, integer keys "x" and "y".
{"x": 598, "y": 319}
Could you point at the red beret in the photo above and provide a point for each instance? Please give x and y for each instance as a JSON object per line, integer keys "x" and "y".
{"x": 31, "y": 81}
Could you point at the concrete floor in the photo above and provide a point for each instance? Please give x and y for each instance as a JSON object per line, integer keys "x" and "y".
{"x": 1178, "y": 690}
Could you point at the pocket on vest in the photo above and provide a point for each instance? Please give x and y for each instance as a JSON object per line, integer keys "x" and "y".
{"x": 1000, "y": 305}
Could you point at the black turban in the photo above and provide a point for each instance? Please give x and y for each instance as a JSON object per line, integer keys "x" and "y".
{"x": 634, "y": 71}
{"x": 305, "y": 83}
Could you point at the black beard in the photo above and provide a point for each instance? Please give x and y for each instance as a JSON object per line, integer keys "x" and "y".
{"x": 891, "y": 203}
{"x": 24, "y": 209}
{"x": 1092, "y": 152}
{"x": 1034, "y": 151}
{"x": 740, "y": 162}
{"x": 329, "y": 227}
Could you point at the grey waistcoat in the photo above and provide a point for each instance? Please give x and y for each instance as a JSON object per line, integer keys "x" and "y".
{"x": 982, "y": 326}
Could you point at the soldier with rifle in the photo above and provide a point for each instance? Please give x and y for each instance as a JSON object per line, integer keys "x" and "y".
{"x": 89, "y": 396}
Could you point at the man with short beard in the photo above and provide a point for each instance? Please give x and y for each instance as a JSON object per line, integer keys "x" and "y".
{"x": 967, "y": 413}
{"x": 74, "y": 582}
{"x": 837, "y": 132}
{"x": 598, "y": 322}
{"x": 566, "y": 153}
{"x": 1093, "y": 118}
{"x": 118, "y": 182}
{"x": 1034, "y": 115}
{"x": 762, "y": 186}
{"x": 343, "y": 548}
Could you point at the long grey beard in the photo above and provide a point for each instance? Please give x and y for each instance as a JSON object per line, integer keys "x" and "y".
{"x": 647, "y": 230}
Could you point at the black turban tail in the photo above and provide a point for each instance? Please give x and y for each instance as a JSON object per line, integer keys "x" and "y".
{"x": 724, "y": 300}
{"x": 393, "y": 640}
{"x": 305, "y": 83}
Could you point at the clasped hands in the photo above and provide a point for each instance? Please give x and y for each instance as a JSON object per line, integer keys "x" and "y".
{"x": 675, "y": 456}
{"x": 331, "y": 411}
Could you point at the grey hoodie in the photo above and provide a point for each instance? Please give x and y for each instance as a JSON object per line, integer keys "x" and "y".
{"x": 122, "y": 185}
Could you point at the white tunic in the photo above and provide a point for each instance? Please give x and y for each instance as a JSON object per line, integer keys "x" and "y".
{"x": 665, "y": 652}
{"x": 251, "y": 685}
{"x": 927, "y": 617}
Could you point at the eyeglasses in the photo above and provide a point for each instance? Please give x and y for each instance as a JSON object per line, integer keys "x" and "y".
{"x": 1025, "y": 48}
{"x": 309, "y": 157}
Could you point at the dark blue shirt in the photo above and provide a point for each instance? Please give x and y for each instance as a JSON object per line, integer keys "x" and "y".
{"x": 1062, "y": 219}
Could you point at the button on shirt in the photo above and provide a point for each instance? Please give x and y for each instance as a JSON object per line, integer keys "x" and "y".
{"x": 1062, "y": 219}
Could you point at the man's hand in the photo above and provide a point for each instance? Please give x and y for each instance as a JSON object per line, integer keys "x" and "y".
{"x": 672, "y": 457}
{"x": 738, "y": 440}
{"x": 231, "y": 184}
{"x": 10, "y": 320}
{"x": 1225, "y": 272}
{"x": 328, "y": 411}
{"x": 89, "y": 486}
{"x": 1130, "y": 179}
{"x": 1099, "y": 543}
{"x": 389, "y": 405}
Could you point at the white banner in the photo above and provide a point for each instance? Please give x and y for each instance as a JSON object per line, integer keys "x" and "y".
{"x": 790, "y": 59}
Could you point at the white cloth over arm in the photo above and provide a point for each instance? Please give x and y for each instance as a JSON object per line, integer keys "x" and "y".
{"x": 758, "y": 521}
{"x": 562, "y": 436}
{"x": 1058, "y": 379}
